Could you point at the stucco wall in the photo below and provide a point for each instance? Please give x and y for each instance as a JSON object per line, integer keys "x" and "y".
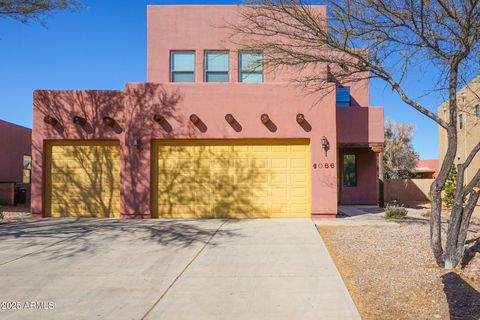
{"x": 407, "y": 190}
{"x": 15, "y": 142}
{"x": 204, "y": 27}
{"x": 133, "y": 110}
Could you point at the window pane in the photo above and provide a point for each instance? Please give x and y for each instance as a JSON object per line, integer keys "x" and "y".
{"x": 477, "y": 110}
{"x": 251, "y": 77}
{"x": 216, "y": 61}
{"x": 343, "y": 97}
{"x": 27, "y": 162}
{"x": 349, "y": 170}
{"x": 183, "y": 61}
{"x": 26, "y": 176}
{"x": 460, "y": 121}
{"x": 183, "y": 77}
{"x": 217, "y": 77}
{"x": 251, "y": 61}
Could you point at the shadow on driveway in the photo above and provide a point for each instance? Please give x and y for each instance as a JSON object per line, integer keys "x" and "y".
{"x": 86, "y": 235}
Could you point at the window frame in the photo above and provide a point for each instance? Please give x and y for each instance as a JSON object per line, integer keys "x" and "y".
{"x": 240, "y": 71}
{"x": 27, "y": 169}
{"x": 349, "y": 97}
{"x": 355, "y": 184}
{"x": 205, "y": 61}
{"x": 172, "y": 72}
{"x": 460, "y": 121}
{"x": 477, "y": 110}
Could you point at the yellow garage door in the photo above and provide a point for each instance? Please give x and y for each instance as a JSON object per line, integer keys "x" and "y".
{"x": 83, "y": 179}
{"x": 231, "y": 178}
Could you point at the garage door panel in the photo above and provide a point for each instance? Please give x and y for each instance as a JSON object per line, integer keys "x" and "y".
{"x": 83, "y": 179}
{"x": 240, "y": 178}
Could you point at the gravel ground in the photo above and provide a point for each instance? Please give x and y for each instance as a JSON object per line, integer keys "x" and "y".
{"x": 391, "y": 274}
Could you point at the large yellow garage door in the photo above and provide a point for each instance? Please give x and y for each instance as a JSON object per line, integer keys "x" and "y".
{"x": 231, "y": 178}
{"x": 83, "y": 179}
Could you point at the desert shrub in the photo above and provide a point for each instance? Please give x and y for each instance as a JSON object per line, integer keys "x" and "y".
{"x": 395, "y": 211}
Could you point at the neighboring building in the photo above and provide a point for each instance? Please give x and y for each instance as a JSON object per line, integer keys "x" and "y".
{"x": 210, "y": 134}
{"x": 426, "y": 169}
{"x": 15, "y": 159}
{"x": 468, "y": 125}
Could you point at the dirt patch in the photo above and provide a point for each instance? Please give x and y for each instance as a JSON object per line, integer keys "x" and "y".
{"x": 391, "y": 274}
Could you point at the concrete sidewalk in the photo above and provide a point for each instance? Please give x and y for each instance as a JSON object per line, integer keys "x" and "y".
{"x": 171, "y": 269}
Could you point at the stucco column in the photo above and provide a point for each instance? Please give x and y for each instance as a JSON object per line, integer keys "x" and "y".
{"x": 381, "y": 197}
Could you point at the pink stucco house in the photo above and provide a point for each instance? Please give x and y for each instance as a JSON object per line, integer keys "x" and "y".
{"x": 15, "y": 161}
{"x": 210, "y": 134}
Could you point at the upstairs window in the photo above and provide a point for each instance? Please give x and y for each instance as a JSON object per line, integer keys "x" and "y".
{"x": 216, "y": 66}
{"x": 343, "y": 97}
{"x": 460, "y": 121}
{"x": 477, "y": 110}
{"x": 349, "y": 170}
{"x": 27, "y": 168}
{"x": 251, "y": 67}
{"x": 182, "y": 66}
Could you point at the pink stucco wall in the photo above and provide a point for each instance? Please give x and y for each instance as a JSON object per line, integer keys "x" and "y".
{"x": 15, "y": 142}
{"x": 199, "y": 28}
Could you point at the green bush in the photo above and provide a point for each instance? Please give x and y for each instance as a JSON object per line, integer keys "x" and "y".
{"x": 449, "y": 188}
{"x": 395, "y": 211}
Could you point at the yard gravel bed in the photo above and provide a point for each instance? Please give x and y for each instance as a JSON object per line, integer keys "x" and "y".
{"x": 391, "y": 274}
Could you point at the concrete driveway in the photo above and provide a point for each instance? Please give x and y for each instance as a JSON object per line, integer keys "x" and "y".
{"x": 169, "y": 269}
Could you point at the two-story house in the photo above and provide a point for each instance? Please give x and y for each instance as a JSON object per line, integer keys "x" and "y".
{"x": 211, "y": 133}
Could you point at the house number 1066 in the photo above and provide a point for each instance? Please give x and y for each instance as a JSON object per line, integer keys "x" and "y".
{"x": 324, "y": 165}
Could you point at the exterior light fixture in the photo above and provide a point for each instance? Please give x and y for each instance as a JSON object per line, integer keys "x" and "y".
{"x": 79, "y": 121}
{"x": 229, "y": 118}
{"x": 108, "y": 121}
{"x": 50, "y": 120}
{"x": 194, "y": 118}
{"x": 325, "y": 143}
{"x": 264, "y": 118}
{"x": 159, "y": 118}
{"x": 300, "y": 118}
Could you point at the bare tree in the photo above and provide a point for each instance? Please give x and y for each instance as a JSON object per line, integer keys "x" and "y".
{"x": 384, "y": 39}
{"x": 25, "y": 10}
{"x": 399, "y": 156}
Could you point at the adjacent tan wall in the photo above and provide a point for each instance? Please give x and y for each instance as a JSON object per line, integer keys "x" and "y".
{"x": 407, "y": 190}
{"x": 468, "y": 97}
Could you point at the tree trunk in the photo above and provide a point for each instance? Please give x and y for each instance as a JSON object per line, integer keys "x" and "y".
{"x": 455, "y": 246}
{"x": 435, "y": 224}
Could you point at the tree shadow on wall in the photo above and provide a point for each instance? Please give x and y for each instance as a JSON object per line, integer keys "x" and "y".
{"x": 463, "y": 300}
{"x": 210, "y": 181}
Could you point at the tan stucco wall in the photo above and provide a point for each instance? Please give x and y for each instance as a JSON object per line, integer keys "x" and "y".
{"x": 407, "y": 190}
{"x": 468, "y": 97}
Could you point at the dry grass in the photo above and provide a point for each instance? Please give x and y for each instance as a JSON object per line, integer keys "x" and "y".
{"x": 391, "y": 274}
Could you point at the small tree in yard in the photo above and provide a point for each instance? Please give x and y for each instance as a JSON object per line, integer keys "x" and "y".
{"x": 399, "y": 156}
{"x": 25, "y": 10}
{"x": 383, "y": 39}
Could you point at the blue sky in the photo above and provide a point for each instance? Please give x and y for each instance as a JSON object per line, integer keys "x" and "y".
{"x": 103, "y": 46}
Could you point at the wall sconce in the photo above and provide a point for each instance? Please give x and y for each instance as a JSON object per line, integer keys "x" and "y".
{"x": 264, "y": 118}
{"x": 159, "y": 118}
{"x": 137, "y": 142}
{"x": 50, "y": 120}
{"x": 300, "y": 118}
{"x": 79, "y": 121}
{"x": 325, "y": 143}
{"x": 229, "y": 118}
{"x": 194, "y": 118}
{"x": 108, "y": 121}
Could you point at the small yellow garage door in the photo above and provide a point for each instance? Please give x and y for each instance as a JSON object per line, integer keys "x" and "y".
{"x": 83, "y": 179}
{"x": 231, "y": 178}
